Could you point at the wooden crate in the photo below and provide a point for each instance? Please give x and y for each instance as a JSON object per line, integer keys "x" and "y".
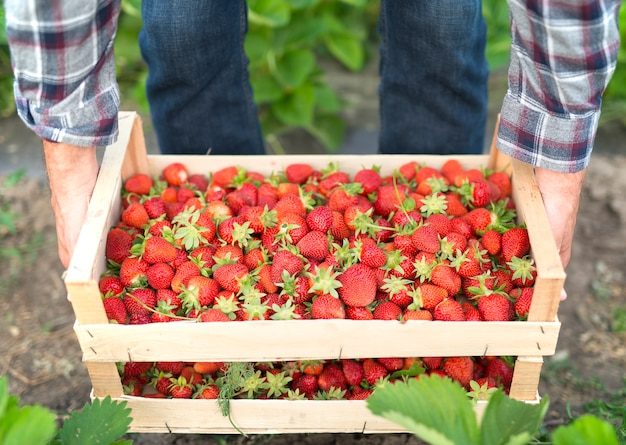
{"x": 103, "y": 344}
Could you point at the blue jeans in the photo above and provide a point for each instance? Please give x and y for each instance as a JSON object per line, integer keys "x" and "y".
{"x": 433, "y": 91}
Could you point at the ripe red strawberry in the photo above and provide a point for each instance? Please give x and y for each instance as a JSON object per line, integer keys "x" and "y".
{"x": 155, "y": 207}
{"x": 479, "y": 219}
{"x": 391, "y": 364}
{"x": 118, "y": 245}
{"x": 160, "y": 275}
{"x": 333, "y": 180}
{"x": 213, "y": 315}
{"x": 320, "y": 219}
{"x": 225, "y": 176}
{"x": 387, "y": 311}
{"x": 298, "y": 173}
{"x": 339, "y": 229}
{"x": 331, "y": 377}
{"x": 495, "y": 307}
{"x": 170, "y": 297}
{"x": 431, "y": 295}
{"x": 503, "y": 279}
{"x": 446, "y": 277}
{"x": 326, "y": 306}
{"x": 205, "y": 255}
{"x": 136, "y": 369}
{"x": 115, "y": 309}
{"x": 425, "y": 239}
{"x": 307, "y": 384}
{"x": 158, "y": 250}
{"x": 455, "y": 205}
{"x": 515, "y": 243}
{"x": 200, "y": 292}
{"x": 314, "y": 245}
{"x": 174, "y": 368}
{"x": 358, "y": 313}
{"x": 388, "y": 199}
{"x": 180, "y": 389}
{"x": 353, "y": 371}
{"x": 432, "y": 362}
{"x": 265, "y": 279}
{"x": 139, "y": 184}
{"x": 135, "y": 215}
{"x": 229, "y": 275}
{"x": 373, "y": 256}
{"x": 359, "y": 393}
{"x": 340, "y": 199}
{"x": 184, "y": 271}
{"x": 227, "y": 251}
{"x": 139, "y": 319}
{"x": 417, "y": 315}
{"x": 503, "y": 182}
{"x": 140, "y": 301}
{"x": 133, "y": 272}
{"x": 373, "y": 371}
{"x": 175, "y": 174}
{"x": 358, "y": 285}
{"x": 290, "y": 204}
{"x": 441, "y": 223}
{"x": 207, "y": 392}
{"x": 460, "y": 369}
{"x": 284, "y": 260}
{"x": 470, "y": 311}
{"x": 449, "y": 310}
{"x": 492, "y": 242}
{"x": 369, "y": 179}
{"x": 523, "y": 298}
{"x": 500, "y": 371}
{"x": 110, "y": 285}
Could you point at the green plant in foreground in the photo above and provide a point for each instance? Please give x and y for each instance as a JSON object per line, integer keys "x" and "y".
{"x": 103, "y": 422}
{"x": 439, "y": 412}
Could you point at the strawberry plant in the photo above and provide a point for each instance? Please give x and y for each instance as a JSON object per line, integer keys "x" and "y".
{"x": 438, "y": 412}
{"x": 100, "y": 422}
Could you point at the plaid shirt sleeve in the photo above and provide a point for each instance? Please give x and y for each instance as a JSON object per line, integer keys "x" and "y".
{"x": 62, "y": 57}
{"x": 563, "y": 55}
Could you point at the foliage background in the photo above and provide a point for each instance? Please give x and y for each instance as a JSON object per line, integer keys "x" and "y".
{"x": 286, "y": 41}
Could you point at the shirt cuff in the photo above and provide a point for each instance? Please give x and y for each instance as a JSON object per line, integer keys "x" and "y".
{"x": 557, "y": 143}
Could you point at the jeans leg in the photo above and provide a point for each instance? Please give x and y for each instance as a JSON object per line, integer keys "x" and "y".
{"x": 198, "y": 88}
{"x": 433, "y": 91}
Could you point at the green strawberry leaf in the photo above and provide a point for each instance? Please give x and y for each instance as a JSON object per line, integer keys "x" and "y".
{"x": 31, "y": 425}
{"x": 102, "y": 422}
{"x": 266, "y": 89}
{"x": 294, "y": 67}
{"x": 297, "y": 108}
{"x": 586, "y": 430}
{"x": 272, "y": 13}
{"x": 346, "y": 48}
{"x": 434, "y": 409}
{"x": 329, "y": 130}
{"x": 510, "y": 422}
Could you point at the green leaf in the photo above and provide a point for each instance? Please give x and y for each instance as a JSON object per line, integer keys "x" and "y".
{"x": 586, "y": 430}
{"x": 347, "y": 49}
{"x": 272, "y": 13}
{"x": 293, "y": 68}
{"x": 326, "y": 99}
{"x": 265, "y": 89}
{"x": 257, "y": 45}
{"x": 3, "y": 27}
{"x": 302, "y": 4}
{"x": 302, "y": 31}
{"x": 297, "y": 108}
{"x": 4, "y": 395}
{"x": 14, "y": 178}
{"x": 329, "y": 130}
{"x": 357, "y": 3}
{"x": 101, "y": 422}
{"x": 434, "y": 409}
{"x": 31, "y": 425}
{"x": 508, "y": 422}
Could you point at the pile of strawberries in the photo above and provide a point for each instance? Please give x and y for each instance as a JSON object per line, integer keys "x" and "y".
{"x": 418, "y": 244}
{"x": 319, "y": 380}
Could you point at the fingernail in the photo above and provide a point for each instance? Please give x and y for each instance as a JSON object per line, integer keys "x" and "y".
{"x": 563, "y": 295}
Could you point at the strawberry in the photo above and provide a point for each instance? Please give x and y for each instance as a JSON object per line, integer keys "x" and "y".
{"x": 160, "y": 275}
{"x": 500, "y": 371}
{"x": 479, "y": 219}
{"x": 190, "y": 374}
{"x": 207, "y": 367}
{"x": 331, "y": 377}
{"x": 425, "y": 239}
{"x": 373, "y": 371}
{"x": 307, "y": 384}
{"x": 503, "y": 280}
{"x": 372, "y": 256}
{"x": 199, "y": 292}
{"x": 175, "y": 174}
{"x": 492, "y": 242}
{"x": 449, "y": 310}
{"x": 174, "y": 368}
{"x": 115, "y": 309}
{"x": 326, "y": 306}
{"x": 445, "y": 276}
{"x": 358, "y": 285}
{"x": 155, "y": 207}
{"x": 358, "y": 313}
{"x": 523, "y": 299}
{"x": 139, "y": 319}
{"x": 110, "y": 285}
{"x": 118, "y": 245}
{"x": 133, "y": 272}
{"x": 314, "y": 245}
{"x": 265, "y": 279}
{"x": 460, "y": 369}
{"x": 340, "y": 199}
{"x": 430, "y": 295}
{"x": 136, "y": 369}
{"x": 320, "y": 219}
{"x": 229, "y": 276}
{"x": 284, "y": 260}
{"x": 339, "y": 230}
{"x": 369, "y": 179}
{"x": 207, "y": 392}
{"x": 180, "y": 389}
{"x": 460, "y": 225}
{"x": 387, "y": 311}
{"x": 391, "y": 364}
{"x": 409, "y": 170}
{"x": 432, "y": 362}
{"x": 294, "y": 225}
{"x": 290, "y": 204}
{"x": 495, "y": 307}
{"x": 515, "y": 243}
{"x": 353, "y": 371}
{"x": 441, "y": 223}
{"x": 298, "y": 173}
{"x": 471, "y": 313}
{"x": 158, "y": 250}
{"x": 359, "y": 393}
{"x": 224, "y": 177}
{"x": 170, "y": 297}
{"x": 388, "y": 199}
{"x": 213, "y": 315}
{"x": 503, "y": 182}
{"x": 331, "y": 181}
{"x": 139, "y": 184}
{"x": 140, "y": 301}
{"x": 135, "y": 215}
{"x": 417, "y": 315}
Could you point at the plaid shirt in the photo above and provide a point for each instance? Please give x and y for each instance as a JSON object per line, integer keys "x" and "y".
{"x": 562, "y": 57}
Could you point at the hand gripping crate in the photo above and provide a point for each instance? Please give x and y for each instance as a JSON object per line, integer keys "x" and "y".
{"x": 104, "y": 344}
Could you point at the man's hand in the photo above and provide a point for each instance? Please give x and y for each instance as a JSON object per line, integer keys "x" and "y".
{"x": 72, "y": 173}
{"x": 561, "y": 196}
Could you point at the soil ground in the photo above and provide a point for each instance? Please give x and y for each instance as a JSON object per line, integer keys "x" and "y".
{"x": 41, "y": 356}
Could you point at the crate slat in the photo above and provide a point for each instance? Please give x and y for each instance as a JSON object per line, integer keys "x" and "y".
{"x": 526, "y": 377}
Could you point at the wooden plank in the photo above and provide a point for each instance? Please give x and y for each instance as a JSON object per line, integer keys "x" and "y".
{"x": 105, "y": 379}
{"x": 260, "y": 416}
{"x": 550, "y": 273}
{"x": 526, "y": 377}
{"x": 136, "y": 158}
{"x": 267, "y": 164}
{"x": 312, "y": 339}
